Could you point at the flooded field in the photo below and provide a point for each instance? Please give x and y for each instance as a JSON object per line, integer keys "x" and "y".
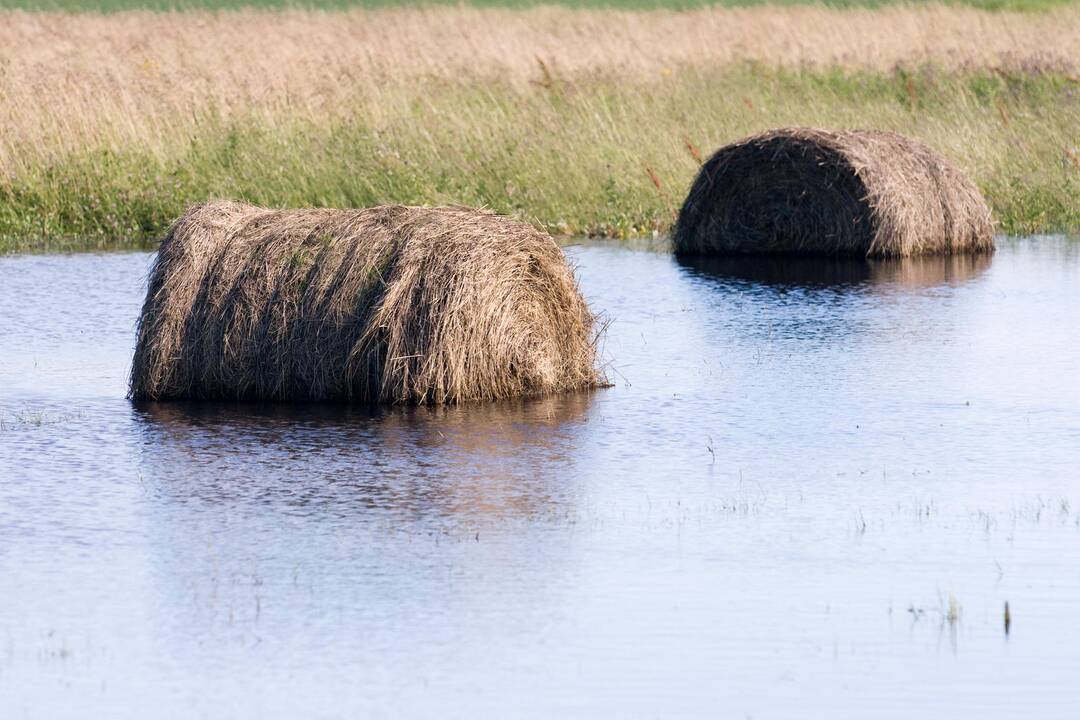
{"x": 810, "y": 492}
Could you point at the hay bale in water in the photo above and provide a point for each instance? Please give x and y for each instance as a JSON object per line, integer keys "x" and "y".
{"x": 384, "y": 305}
{"x": 856, "y": 192}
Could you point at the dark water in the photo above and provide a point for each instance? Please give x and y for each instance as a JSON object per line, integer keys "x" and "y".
{"x": 809, "y": 494}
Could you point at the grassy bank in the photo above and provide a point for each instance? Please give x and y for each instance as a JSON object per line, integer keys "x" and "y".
{"x": 574, "y": 146}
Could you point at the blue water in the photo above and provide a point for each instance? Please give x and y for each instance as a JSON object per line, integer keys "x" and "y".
{"x": 809, "y": 493}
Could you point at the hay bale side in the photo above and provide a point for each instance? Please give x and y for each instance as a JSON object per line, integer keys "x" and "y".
{"x": 384, "y": 305}
{"x": 856, "y": 192}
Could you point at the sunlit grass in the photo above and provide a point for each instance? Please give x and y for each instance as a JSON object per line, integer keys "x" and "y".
{"x": 112, "y": 132}
{"x": 599, "y": 156}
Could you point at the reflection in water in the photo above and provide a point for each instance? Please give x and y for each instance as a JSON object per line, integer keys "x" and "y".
{"x": 268, "y": 520}
{"x": 826, "y": 303}
{"x": 821, "y": 272}
{"x": 467, "y": 461}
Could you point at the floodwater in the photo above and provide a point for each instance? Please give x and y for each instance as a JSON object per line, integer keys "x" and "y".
{"x": 810, "y": 493}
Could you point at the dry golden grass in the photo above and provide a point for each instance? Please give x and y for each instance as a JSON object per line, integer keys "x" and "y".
{"x": 391, "y": 304}
{"x": 269, "y": 51}
{"x": 857, "y": 192}
{"x": 67, "y": 78}
{"x": 577, "y": 121}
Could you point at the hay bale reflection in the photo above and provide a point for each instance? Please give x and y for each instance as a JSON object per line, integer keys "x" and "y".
{"x": 912, "y": 273}
{"x": 467, "y": 463}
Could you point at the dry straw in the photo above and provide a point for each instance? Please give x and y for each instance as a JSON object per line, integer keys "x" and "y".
{"x": 856, "y": 192}
{"x": 390, "y": 304}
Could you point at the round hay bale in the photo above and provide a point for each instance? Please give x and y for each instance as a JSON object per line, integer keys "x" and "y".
{"x": 383, "y": 305}
{"x": 854, "y": 192}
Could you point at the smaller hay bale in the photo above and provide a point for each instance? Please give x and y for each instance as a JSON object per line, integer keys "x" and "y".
{"x": 384, "y": 305}
{"x": 853, "y": 192}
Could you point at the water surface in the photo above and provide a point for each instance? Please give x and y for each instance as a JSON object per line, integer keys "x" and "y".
{"x": 810, "y": 492}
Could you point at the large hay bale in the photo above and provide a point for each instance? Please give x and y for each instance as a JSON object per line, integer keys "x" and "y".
{"x": 855, "y": 192}
{"x": 390, "y": 304}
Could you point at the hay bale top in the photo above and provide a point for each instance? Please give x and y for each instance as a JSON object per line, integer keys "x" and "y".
{"x": 848, "y": 192}
{"x": 391, "y": 304}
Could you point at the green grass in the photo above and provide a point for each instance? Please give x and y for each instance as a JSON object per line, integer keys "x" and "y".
{"x": 118, "y": 5}
{"x": 575, "y": 158}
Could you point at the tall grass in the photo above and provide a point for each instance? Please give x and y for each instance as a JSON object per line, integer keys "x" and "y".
{"x": 105, "y": 152}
